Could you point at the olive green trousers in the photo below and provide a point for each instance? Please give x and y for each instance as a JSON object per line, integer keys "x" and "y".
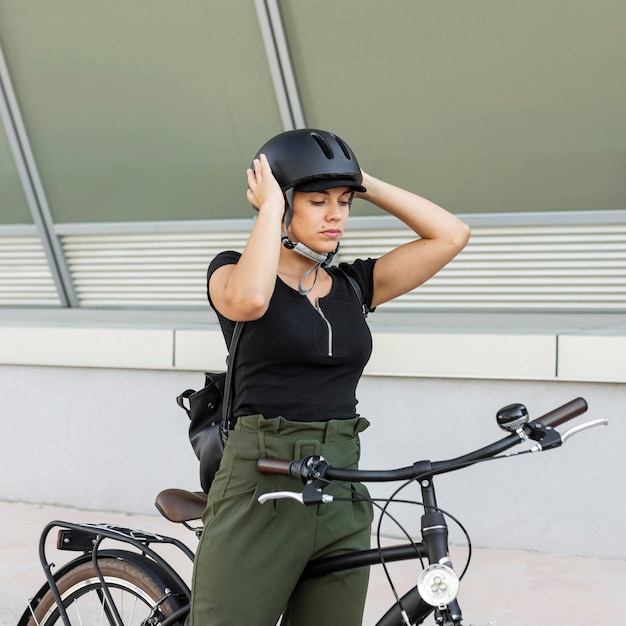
{"x": 251, "y": 555}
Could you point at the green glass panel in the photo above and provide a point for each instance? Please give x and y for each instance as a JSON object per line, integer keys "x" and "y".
{"x": 13, "y": 206}
{"x": 143, "y": 110}
{"x": 489, "y": 105}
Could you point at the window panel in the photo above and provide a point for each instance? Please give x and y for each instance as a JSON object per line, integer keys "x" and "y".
{"x": 482, "y": 106}
{"x": 144, "y": 110}
{"x": 13, "y": 206}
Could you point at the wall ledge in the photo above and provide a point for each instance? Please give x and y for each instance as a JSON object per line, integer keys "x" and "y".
{"x": 582, "y": 348}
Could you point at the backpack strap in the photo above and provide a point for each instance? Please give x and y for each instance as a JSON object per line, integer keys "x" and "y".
{"x": 357, "y": 290}
{"x": 228, "y": 385}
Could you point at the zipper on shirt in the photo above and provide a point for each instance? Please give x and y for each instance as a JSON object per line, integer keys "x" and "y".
{"x": 330, "y": 328}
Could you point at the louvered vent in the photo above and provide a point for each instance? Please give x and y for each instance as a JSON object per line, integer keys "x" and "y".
{"x": 25, "y": 278}
{"x": 509, "y": 268}
{"x": 514, "y": 268}
{"x": 165, "y": 270}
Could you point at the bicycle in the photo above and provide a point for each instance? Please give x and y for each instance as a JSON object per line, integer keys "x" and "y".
{"x": 139, "y": 587}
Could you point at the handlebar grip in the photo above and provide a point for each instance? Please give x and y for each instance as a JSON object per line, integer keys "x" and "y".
{"x": 268, "y": 465}
{"x": 564, "y": 413}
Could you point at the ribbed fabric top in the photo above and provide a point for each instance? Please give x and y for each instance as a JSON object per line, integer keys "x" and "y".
{"x": 299, "y": 361}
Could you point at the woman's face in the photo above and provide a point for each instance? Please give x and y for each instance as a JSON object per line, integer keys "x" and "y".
{"x": 319, "y": 217}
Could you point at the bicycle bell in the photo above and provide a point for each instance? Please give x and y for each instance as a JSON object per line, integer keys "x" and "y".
{"x": 512, "y": 417}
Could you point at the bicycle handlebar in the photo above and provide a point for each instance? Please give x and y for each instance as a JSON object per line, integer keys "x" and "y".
{"x": 267, "y": 465}
{"x": 308, "y": 468}
{"x": 564, "y": 413}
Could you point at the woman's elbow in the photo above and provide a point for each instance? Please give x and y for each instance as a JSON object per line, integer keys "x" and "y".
{"x": 460, "y": 236}
{"x": 250, "y": 306}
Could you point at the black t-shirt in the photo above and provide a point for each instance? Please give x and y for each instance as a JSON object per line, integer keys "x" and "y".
{"x": 299, "y": 361}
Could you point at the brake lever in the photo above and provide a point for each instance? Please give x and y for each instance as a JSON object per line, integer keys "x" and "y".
{"x": 312, "y": 493}
{"x": 321, "y": 498}
{"x": 545, "y": 436}
{"x": 577, "y": 429}
{"x": 548, "y": 437}
{"x": 279, "y": 495}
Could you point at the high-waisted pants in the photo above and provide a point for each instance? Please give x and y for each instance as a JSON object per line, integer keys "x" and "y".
{"x": 251, "y": 555}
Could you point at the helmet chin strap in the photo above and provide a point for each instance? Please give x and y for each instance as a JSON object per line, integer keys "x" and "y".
{"x": 322, "y": 259}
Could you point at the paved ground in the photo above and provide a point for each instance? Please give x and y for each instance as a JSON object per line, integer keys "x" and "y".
{"x": 502, "y": 588}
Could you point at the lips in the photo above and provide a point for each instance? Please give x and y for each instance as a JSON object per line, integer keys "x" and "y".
{"x": 331, "y": 233}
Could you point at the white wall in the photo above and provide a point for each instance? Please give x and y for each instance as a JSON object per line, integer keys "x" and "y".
{"x": 112, "y": 438}
{"x": 568, "y": 500}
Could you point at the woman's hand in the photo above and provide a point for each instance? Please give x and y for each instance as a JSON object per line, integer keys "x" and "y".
{"x": 263, "y": 189}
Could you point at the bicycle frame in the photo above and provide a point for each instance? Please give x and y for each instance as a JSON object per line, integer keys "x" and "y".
{"x": 88, "y": 538}
{"x": 316, "y": 474}
{"x": 434, "y": 547}
{"x": 412, "y": 608}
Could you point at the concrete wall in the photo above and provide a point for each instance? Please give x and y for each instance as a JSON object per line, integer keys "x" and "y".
{"x": 105, "y": 438}
{"x": 568, "y": 500}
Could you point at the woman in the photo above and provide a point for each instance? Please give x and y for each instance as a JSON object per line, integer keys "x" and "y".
{"x": 302, "y": 351}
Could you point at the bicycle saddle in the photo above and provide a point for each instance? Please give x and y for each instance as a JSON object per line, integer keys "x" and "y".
{"x": 179, "y": 505}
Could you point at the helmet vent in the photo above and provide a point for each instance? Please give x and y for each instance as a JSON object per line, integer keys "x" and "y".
{"x": 323, "y": 144}
{"x": 344, "y": 148}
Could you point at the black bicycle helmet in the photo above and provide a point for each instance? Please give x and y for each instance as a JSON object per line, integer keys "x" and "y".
{"x": 312, "y": 160}
{"x": 308, "y": 159}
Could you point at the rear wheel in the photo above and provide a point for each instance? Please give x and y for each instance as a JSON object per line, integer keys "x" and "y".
{"x": 139, "y": 595}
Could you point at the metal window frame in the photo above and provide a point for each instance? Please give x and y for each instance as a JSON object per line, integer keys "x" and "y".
{"x": 32, "y": 186}
{"x": 281, "y": 68}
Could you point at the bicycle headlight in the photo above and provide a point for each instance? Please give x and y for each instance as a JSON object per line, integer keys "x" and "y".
{"x": 438, "y": 584}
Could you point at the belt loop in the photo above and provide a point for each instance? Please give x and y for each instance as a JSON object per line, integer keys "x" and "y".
{"x": 261, "y": 438}
{"x": 332, "y": 430}
{"x": 306, "y": 447}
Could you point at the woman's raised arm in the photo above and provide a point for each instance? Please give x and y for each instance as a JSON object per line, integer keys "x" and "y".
{"x": 242, "y": 292}
{"x": 441, "y": 236}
